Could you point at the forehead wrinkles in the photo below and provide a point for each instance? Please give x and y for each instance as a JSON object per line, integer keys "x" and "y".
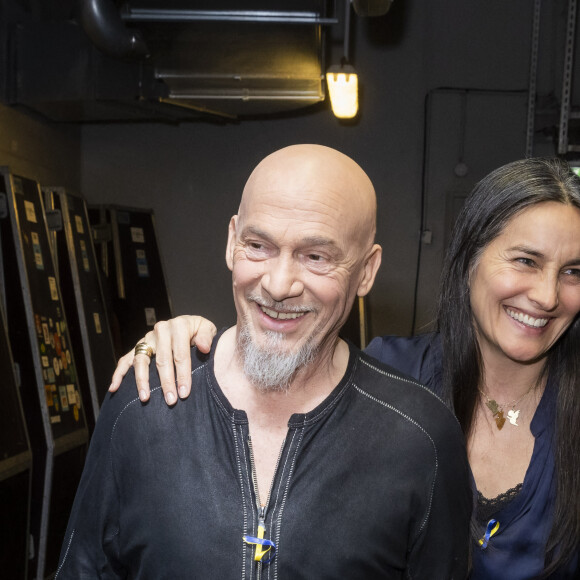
{"x": 315, "y": 213}
{"x": 303, "y": 202}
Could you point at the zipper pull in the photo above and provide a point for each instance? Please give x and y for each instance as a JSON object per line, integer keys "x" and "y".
{"x": 263, "y": 546}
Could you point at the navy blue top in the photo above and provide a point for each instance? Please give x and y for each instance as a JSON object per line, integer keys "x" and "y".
{"x": 516, "y": 551}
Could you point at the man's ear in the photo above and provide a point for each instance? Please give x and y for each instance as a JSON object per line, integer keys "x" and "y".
{"x": 231, "y": 242}
{"x": 370, "y": 269}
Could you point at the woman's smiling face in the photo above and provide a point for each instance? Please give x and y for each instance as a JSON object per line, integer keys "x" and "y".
{"x": 525, "y": 288}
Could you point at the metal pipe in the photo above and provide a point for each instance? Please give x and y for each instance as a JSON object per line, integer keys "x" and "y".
{"x": 346, "y": 30}
{"x": 168, "y": 15}
{"x": 563, "y": 146}
{"x": 533, "y": 79}
{"x": 102, "y": 22}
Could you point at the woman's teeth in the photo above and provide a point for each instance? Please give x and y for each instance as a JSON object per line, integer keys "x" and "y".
{"x": 528, "y": 320}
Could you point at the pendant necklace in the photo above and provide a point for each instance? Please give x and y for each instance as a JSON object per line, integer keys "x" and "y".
{"x": 497, "y": 409}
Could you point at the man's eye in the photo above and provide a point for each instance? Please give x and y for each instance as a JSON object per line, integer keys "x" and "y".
{"x": 315, "y": 257}
{"x": 575, "y": 272}
{"x": 255, "y": 245}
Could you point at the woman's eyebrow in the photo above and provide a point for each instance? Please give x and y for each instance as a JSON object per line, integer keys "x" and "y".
{"x": 526, "y": 250}
{"x": 538, "y": 254}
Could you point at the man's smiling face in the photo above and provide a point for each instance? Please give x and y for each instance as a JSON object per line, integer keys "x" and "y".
{"x": 301, "y": 249}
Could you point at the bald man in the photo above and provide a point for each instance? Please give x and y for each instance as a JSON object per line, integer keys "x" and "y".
{"x": 296, "y": 455}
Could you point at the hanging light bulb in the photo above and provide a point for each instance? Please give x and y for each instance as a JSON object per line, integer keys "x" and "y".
{"x": 342, "y": 83}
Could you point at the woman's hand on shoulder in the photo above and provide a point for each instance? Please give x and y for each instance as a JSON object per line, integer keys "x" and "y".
{"x": 170, "y": 341}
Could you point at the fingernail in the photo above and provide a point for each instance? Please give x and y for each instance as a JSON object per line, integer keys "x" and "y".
{"x": 170, "y": 398}
{"x": 143, "y": 396}
{"x": 182, "y": 392}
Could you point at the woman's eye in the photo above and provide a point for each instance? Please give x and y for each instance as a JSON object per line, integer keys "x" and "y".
{"x": 526, "y": 261}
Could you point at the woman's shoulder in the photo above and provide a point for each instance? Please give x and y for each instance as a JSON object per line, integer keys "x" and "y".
{"x": 417, "y": 356}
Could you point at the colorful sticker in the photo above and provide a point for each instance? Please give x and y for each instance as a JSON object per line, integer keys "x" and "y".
{"x": 63, "y": 397}
{"x": 30, "y": 211}
{"x": 97, "y": 321}
{"x": 53, "y": 290}
{"x": 17, "y": 185}
{"x": 150, "y": 318}
{"x": 84, "y": 256}
{"x": 79, "y": 224}
{"x": 51, "y": 378}
{"x": 45, "y": 333}
{"x": 63, "y": 361}
{"x": 142, "y": 267}
{"x": 56, "y": 366}
{"x": 72, "y": 396}
{"x": 138, "y": 235}
{"x": 76, "y": 413}
{"x": 37, "y": 251}
{"x": 57, "y": 346}
{"x": 55, "y": 419}
{"x": 48, "y": 394}
{"x": 38, "y": 325}
{"x": 55, "y": 402}
{"x": 44, "y": 360}
{"x": 68, "y": 357}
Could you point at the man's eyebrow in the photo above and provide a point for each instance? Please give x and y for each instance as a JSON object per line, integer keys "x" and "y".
{"x": 308, "y": 241}
{"x": 317, "y": 241}
{"x": 254, "y": 231}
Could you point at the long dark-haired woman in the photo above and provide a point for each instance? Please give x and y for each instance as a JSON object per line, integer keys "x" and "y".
{"x": 505, "y": 357}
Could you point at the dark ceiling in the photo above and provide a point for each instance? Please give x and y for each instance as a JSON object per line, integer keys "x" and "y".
{"x": 168, "y": 60}
{"x": 100, "y": 60}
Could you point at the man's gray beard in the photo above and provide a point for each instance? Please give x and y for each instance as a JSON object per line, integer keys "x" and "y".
{"x": 268, "y": 368}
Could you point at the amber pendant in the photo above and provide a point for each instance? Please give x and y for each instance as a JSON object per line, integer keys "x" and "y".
{"x": 499, "y": 419}
{"x": 496, "y": 412}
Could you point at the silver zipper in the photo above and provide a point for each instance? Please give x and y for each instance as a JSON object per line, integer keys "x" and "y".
{"x": 262, "y": 509}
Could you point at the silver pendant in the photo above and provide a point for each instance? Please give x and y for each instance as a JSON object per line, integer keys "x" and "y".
{"x": 513, "y": 417}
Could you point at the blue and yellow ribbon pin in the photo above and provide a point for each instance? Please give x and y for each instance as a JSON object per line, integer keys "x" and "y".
{"x": 262, "y": 546}
{"x": 490, "y": 530}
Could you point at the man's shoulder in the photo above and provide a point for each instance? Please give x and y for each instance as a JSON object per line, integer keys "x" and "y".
{"x": 394, "y": 390}
{"x": 124, "y": 405}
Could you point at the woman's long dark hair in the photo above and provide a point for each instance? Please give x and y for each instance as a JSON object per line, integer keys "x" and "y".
{"x": 496, "y": 199}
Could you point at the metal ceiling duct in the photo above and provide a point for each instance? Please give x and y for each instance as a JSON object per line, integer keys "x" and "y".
{"x": 102, "y": 22}
{"x": 208, "y": 59}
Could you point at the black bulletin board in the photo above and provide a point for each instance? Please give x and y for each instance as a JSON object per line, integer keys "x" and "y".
{"x": 41, "y": 347}
{"x": 85, "y": 307}
{"x": 15, "y": 468}
{"x": 132, "y": 260}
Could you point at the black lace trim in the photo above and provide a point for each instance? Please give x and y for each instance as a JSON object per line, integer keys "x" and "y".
{"x": 487, "y": 507}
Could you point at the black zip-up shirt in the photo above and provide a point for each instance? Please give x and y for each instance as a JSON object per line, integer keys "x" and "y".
{"x": 372, "y": 483}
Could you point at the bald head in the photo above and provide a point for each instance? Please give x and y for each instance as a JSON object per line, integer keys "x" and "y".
{"x": 322, "y": 176}
{"x": 300, "y": 250}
